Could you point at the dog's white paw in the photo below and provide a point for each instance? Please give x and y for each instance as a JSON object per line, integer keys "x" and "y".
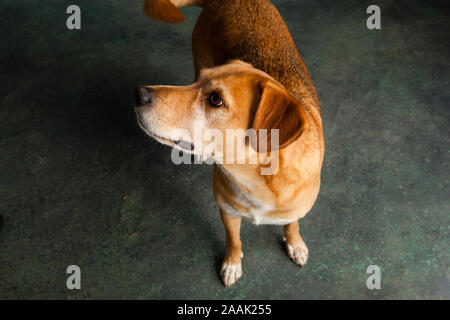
{"x": 230, "y": 273}
{"x": 298, "y": 253}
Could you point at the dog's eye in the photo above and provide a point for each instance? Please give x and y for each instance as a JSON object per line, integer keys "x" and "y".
{"x": 215, "y": 100}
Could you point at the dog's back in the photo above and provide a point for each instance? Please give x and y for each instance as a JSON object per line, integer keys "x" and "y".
{"x": 248, "y": 30}
{"x": 253, "y": 31}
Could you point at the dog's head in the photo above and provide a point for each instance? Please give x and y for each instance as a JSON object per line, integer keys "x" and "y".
{"x": 232, "y": 96}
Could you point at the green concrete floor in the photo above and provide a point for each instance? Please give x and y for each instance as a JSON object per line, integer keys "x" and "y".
{"x": 81, "y": 184}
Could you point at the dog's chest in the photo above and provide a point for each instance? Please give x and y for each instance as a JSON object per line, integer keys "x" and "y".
{"x": 247, "y": 205}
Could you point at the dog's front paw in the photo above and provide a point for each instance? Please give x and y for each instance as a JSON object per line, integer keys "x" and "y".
{"x": 298, "y": 253}
{"x": 230, "y": 273}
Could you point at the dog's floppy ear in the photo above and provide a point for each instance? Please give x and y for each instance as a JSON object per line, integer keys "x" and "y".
{"x": 278, "y": 110}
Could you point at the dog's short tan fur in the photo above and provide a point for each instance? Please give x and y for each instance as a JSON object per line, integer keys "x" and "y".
{"x": 242, "y": 49}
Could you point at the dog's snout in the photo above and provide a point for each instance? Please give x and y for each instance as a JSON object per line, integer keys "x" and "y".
{"x": 143, "y": 96}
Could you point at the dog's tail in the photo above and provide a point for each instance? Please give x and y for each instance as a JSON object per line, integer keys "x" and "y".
{"x": 167, "y": 10}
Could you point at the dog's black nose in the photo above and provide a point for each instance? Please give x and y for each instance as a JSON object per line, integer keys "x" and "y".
{"x": 143, "y": 96}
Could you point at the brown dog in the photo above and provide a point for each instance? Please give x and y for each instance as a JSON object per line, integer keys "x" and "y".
{"x": 249, "y": 75}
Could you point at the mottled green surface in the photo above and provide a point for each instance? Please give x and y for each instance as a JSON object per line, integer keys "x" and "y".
{"x": 81, "y": 184}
